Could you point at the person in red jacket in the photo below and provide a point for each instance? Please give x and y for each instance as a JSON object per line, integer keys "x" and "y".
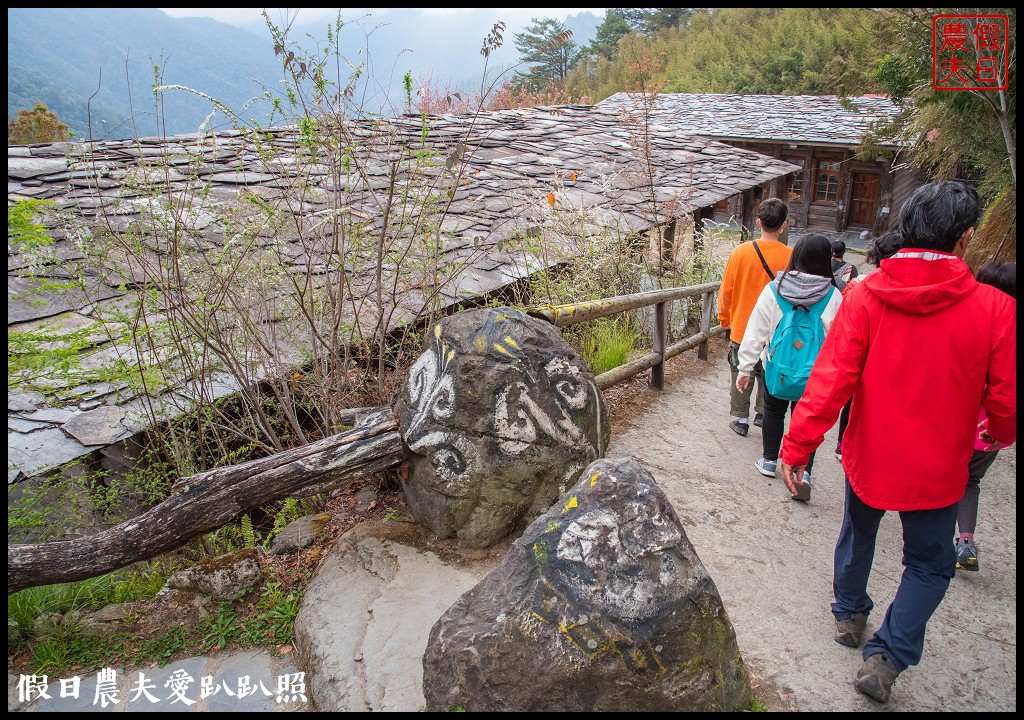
{"x": 920, "y": 345}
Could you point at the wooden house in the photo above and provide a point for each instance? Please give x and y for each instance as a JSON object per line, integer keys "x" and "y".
{"x": 836, "y": 189}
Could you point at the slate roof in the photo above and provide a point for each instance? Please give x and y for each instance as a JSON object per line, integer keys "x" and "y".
{"x": 804, "y": 119}
{"x": 589, "y": 157}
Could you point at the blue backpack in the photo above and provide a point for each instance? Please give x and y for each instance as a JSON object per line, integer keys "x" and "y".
{"x": 794, "y": 347}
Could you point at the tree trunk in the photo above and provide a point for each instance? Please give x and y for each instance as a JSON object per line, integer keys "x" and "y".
{"x": 206, "y": 501}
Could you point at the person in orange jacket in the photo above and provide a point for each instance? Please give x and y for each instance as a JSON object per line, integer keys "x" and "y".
{"x": 920, "y": 345}
{"x": 750, "y": 267}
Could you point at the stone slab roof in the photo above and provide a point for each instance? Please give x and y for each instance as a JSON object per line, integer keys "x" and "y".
{"x": 506, "y": 174}
{"x": 805, "y": 119}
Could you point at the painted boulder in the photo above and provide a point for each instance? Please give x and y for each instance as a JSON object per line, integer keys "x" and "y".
{"x": 498, "y": 416}
{"x": 601, "y": 605}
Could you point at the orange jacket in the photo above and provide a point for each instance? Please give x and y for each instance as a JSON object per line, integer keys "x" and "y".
{"x": 744, "y": 279}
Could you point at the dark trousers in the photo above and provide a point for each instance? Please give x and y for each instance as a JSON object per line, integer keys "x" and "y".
{"x": 774, "y": 427}
{"x": 929, "y": 562}
{"x": 967, "y": 508}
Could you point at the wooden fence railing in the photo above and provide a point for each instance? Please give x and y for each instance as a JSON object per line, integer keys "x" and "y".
{"x": 202, "y": 502}
{"x": 562, "y": 315}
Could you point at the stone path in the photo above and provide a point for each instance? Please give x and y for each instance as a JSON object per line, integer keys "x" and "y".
{"x": 771, "y": 559}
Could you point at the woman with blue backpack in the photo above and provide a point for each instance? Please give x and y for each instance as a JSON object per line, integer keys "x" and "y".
{"x": 786, "y": 331}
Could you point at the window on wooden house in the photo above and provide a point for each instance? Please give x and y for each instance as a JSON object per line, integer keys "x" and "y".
{"x": 795, "y": 189}
{"x": 826, "y": 187}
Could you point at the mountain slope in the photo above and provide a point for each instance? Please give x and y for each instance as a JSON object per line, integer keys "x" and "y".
{"x": 60, "y": 56}
{"x": 63, "y": 56}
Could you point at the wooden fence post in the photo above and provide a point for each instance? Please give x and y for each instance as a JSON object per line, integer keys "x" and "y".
{"x": 660, "y": 340}
{"x": 707, "y": 307}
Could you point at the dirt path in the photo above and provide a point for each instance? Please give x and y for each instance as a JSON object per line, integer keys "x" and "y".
{"x": 771, "y": 557}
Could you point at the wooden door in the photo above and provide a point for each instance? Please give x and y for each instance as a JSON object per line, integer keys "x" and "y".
{"x": 864, "y": 188}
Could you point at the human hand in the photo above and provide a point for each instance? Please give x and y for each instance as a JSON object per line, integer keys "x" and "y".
{"x": 742, "y": 382}
{"x": 993, "y": 444}
{"x": 792, "y": 475}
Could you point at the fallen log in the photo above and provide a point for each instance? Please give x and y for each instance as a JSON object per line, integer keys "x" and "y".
{"x": 203, "y": 502}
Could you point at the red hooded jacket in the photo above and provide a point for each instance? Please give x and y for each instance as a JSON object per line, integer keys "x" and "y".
{"x": 921, "y": 346}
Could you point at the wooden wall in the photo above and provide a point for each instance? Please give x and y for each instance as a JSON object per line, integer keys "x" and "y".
{"x": 906, "y": 179}
{"x": 811, "y": 209}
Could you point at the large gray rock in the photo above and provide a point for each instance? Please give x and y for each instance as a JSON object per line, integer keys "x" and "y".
{"x": 601, "y": 605}
{"x": 499, "y": 415}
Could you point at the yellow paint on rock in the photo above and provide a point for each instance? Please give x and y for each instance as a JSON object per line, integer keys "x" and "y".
{"x": 571, "y": 504}
{"x": 593, "y": 479}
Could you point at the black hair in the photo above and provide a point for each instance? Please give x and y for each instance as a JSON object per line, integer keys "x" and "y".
{"x": 838, "y": 249}
{"x": 882, "y": 247}
{"x": 1000, "y": 275}
{"x": 938, "y": 214}
{"x": 772, "y": 213}
{"x": 812, "y": 254}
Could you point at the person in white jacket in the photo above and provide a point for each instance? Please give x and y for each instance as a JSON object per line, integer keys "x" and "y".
{"x": 805, "y": 281}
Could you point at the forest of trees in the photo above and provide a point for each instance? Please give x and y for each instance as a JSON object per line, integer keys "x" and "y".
{"x": 796, "y": 51}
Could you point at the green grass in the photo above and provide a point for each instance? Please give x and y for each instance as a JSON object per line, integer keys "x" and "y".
{"x": 607, "y": 343}
{"x": 65, "y": 645}
{"x": 123, "y": 586}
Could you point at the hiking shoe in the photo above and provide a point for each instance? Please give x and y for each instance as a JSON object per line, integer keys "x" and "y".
{"x": 850, "y": 630}
{"x": 876, "y": 676}
{"x": 803, "y": 490}
{"x": 739, "y": 428}
{"x": 839, "y": 452}
{"x": 966, "y": 555}
{"x": 765, "y": 467}
{"x": 759, "y": 419}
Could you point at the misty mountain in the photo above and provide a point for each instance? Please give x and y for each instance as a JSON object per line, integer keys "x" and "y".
{"x": 62, "y": 56}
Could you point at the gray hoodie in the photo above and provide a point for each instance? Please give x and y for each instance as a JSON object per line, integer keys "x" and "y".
{"x": 801, "y": 288}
